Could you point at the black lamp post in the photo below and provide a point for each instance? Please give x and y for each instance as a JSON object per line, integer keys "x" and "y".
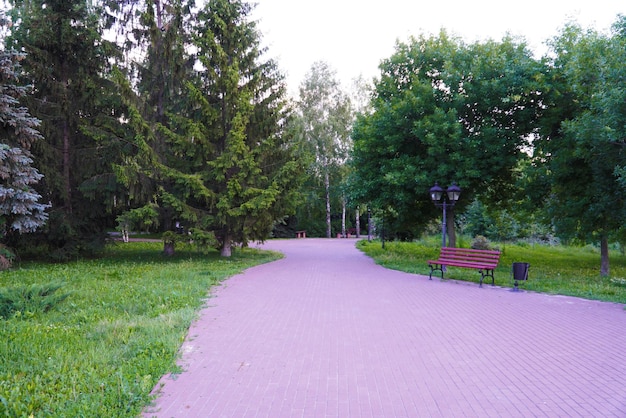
{"x": 369, "y": 225}
{"x": 444, "y": 200}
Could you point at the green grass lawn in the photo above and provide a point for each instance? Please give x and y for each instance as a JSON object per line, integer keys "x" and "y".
{"x": 558, "y": 270}
{"x": 101, "y": 350}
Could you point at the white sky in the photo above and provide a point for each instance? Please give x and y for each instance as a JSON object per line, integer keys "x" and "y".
{"x": 353, "y": 36}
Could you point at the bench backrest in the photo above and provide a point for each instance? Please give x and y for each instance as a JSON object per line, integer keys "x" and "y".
{"x": 487, "y": 257}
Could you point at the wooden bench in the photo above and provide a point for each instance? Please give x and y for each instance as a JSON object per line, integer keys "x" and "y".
{"x": 485, "y": 261}
{"x": 300, "y": 234}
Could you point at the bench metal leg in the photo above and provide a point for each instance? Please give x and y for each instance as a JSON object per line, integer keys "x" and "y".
{"x": 486, "y": 273}
{"x": 434, "y": 268}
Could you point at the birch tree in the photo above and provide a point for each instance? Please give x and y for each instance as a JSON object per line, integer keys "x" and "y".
{"x": 325, "y": 112}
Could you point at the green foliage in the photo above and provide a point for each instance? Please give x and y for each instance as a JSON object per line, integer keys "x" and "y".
{"x": 62, "y": 239}
{"x": 6, "y": 257}
{"x": 581, "y": 151}
{"x": 562, "y": 270}
{"x": 171, "y": 237}
{"x": 501, "y": 224}
{"x": 324, "y": 117}
{"x": 480, "y": 242}
{"x": 20, "y": 210}
{"x": 477, "y": 220}
{"x": 30, "y": 300}
{"x": 102, "y": 351}
{"x": 144, "y": 219}
{"x": 67, "y": 61}
{"x": 444, "y": 111}
{"x": 215, "y": 156}
{"x": 203, "y": 240}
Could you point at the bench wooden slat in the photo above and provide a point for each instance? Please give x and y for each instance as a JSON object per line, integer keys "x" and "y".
{"x": 468, "y": 257}
{"x": 466, "y": 264}
{"x": 485, "y": 261}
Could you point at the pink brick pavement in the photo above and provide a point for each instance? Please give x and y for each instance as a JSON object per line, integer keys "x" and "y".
{"x": 325, "y": 332}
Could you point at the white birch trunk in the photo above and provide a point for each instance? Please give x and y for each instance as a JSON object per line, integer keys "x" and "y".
{"x": 343, "y": 217}
{"x": 327, "y": 185}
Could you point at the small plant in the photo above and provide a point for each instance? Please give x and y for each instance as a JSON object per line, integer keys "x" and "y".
{"x": 169, "y": 242}
{"x": 203, "y": 240}
{"x": 30, "y": 299}
{"x": 6, "y": 257}
{"x": 618, "y": 281}
{"x": 481, "y": 243}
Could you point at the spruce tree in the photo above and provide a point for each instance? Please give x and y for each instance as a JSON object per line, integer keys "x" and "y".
{"x": 67, "y": 62}
{"x": 216, "y": 156}
{"x": 154, "y": 166}
{"x": 20, "y": 207}
{"x": 250, "y": 170}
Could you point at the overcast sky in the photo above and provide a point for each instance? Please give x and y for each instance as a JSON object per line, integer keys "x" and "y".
{"x": 353, "y": 36}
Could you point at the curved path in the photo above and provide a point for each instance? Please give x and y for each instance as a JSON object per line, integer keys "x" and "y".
{"x": 325, "y": 332}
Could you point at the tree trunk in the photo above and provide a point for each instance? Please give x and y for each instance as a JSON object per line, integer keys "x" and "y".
{"x": 168, "y": 248}
{"x": 343, "y": 217}
{"x": 604, "y": 256}
{"x": 67, "y": 184}
{"x": 226, "y": 247}
{"x": 450, "y": 227}
{"x": 358, "y": 223}
{"x": 327, "y": 186}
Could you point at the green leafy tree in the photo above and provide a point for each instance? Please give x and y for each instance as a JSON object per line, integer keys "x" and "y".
{"x": 325, "y": 115}
{"x": 20, "y": 208}
{"x": 449, "y": 112}
{"x": 584, "y": 160}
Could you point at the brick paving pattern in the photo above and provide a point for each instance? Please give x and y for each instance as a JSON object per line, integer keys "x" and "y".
{"x": 325, "y": 332}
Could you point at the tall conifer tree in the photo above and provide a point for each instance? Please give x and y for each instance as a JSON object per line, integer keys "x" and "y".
{"x": 67, "y": 61}
{"x": 251, "y": 173}
{"x": 214, "y": 155}
{"x": 20, "y": 208}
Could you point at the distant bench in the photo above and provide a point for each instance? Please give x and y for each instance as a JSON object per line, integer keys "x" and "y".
{"x": 300, "y": 234}
{"x": 485, "y": 261}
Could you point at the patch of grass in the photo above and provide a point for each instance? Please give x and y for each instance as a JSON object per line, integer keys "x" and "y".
{"x": 102, "y": 350}
{"x": 561, "y": 270}
{"x": 30, "y": 299}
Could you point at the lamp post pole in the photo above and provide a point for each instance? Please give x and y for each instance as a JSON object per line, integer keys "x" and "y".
{"x": 369, "y": 225}
{"x": 445, "y": 200}
{"x": 444, "y": 225}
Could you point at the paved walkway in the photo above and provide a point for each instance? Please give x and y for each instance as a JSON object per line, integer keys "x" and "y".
{"x": 325, "y": 332}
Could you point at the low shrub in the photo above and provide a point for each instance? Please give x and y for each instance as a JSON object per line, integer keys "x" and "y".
{"x": 6, "y": 257}
{"x": 481, "y": 243}
{"x": 30, "y": 299}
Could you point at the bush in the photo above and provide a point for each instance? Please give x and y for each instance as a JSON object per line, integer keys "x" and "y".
{"x": 481, "y": 243}
{"x": 145, "y": 218}
{"x": 203, "y": 240}
{"x": 6, "y": 257}
{"x": 30, "y": 299}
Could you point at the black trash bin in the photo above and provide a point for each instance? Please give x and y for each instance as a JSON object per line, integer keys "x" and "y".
{"x": 520, "y": 272}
